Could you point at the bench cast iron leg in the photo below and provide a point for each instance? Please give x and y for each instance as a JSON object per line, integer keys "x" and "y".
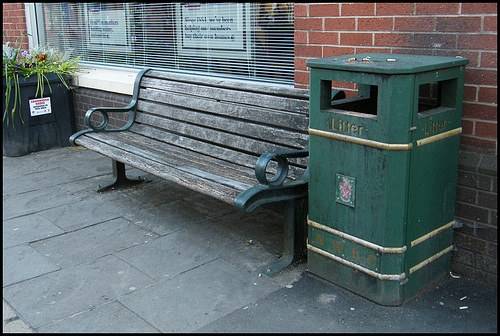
{"x": 120, "y": 179}
{"x": 294, "y": 235}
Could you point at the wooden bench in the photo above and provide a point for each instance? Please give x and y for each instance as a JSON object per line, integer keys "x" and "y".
{"x": 242, "y": 142}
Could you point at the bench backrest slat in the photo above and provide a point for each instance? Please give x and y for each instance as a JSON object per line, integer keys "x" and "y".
{"x": 234, "y": 95}
{"x": 246, "y": 86}
{"x": 232, "y": 120}
{"x": 285, "y": 119}
{"x": 213, "y": 122}
{"x": 172, "y": 131}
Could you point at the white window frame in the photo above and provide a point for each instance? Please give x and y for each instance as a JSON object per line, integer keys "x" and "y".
{"x": 103, "y": 77}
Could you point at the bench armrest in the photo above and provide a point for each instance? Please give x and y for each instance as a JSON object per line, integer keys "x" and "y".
{"x": 104, "y": 113}
{"x": 281, "y": 171}
{"x": 275, "y": 189}
{"x": 105, "y": 110}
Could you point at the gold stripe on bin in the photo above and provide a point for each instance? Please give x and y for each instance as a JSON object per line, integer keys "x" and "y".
{"x": 393, "y": 277}
{"x": 360, "y": 141}
{"x": 439, "y": 136}
{"x": 431, "y": 259}
{"x": 356, "y": 240}
{"x": 432, "y": 233}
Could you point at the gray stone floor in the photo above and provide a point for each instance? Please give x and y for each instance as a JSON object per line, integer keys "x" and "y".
{"x": 161, "y": 258}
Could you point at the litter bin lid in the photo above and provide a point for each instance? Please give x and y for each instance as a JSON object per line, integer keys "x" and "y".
{"x": 387, "y": 63}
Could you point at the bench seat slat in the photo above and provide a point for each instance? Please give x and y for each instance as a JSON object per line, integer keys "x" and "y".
{"x": 178, "y": 156}
{"x": 206, "y": 186}
{"x": 179, "y": 159}
{"x": 202, "y": 148}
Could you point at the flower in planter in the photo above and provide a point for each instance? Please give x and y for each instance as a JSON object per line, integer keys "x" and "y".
{"x": 37, "y": 61}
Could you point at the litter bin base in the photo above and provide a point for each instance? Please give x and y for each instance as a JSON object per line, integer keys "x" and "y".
{"x": 383, "y": 292}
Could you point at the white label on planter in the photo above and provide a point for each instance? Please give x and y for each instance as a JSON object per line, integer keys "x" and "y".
{"x": 40, "y": 106}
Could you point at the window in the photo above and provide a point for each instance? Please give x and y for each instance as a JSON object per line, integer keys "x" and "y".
{"x": 245, "y": 40}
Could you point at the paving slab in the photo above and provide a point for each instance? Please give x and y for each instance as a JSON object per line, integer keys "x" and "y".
{"x": 12, "y": 323}
{"x": 44, "y": 178}
{"x": 110, "y": 317}
{"x": 156, "y": 191}
{"x": 261, "y": 226}
{"x": 59, "y": 295}
{"x": 70, "y": 158}
{"x": 171, "y": 255}
{"x": 168, "y": 217}
{"x": 20, "y": 204}
{"x": 251, "y": 241}
{"x": 29, "y": 228}
{"x": 92, "y": 210}
{"x": 92, "y": 242}
{"x": 34, "y": 162}
{"x": 190, "y": 300}
{"x": 23, "y": 262}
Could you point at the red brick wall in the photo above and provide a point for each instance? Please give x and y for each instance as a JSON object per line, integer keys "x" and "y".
{"x": 84, "y": 99}
{"x": 440, "y": 29}
{"x": 14, "y": 24}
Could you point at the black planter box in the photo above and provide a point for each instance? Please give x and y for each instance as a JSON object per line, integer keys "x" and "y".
{"x": 47, "y": 124}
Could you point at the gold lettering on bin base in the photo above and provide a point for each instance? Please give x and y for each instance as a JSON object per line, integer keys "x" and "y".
{"x": 338, "y": 247}
{"x": 360, "y": 141}
{"x": 355, "y": 254}
{"x": 320, "y": 239}
{"x": 371, "y": 260}
{"x": 391, "y": 277}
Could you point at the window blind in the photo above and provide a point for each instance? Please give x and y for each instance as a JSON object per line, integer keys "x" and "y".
{"x": 245, "y": 40}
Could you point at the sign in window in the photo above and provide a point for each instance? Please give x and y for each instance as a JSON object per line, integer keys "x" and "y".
{"x": 107, "y": 27}
{"x": 212, "y": 26}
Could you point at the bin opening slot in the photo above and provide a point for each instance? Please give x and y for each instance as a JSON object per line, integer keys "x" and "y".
{"x": 429, "y": 96}
{"x": 360, "y": 98}
{"x": 437, "y": 94}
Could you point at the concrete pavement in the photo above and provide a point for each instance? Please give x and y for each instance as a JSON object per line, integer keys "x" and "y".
{"x": 161, "y": 258}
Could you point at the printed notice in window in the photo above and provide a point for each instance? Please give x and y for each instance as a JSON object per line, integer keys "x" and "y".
{"x": 107, "y": 27}
{"x": 216, "y": 26}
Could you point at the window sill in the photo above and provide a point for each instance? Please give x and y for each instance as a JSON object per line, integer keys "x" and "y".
{"x": 107, "y": 79}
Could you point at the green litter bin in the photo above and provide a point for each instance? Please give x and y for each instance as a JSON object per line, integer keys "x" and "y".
{"x": 383, "y": 171}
